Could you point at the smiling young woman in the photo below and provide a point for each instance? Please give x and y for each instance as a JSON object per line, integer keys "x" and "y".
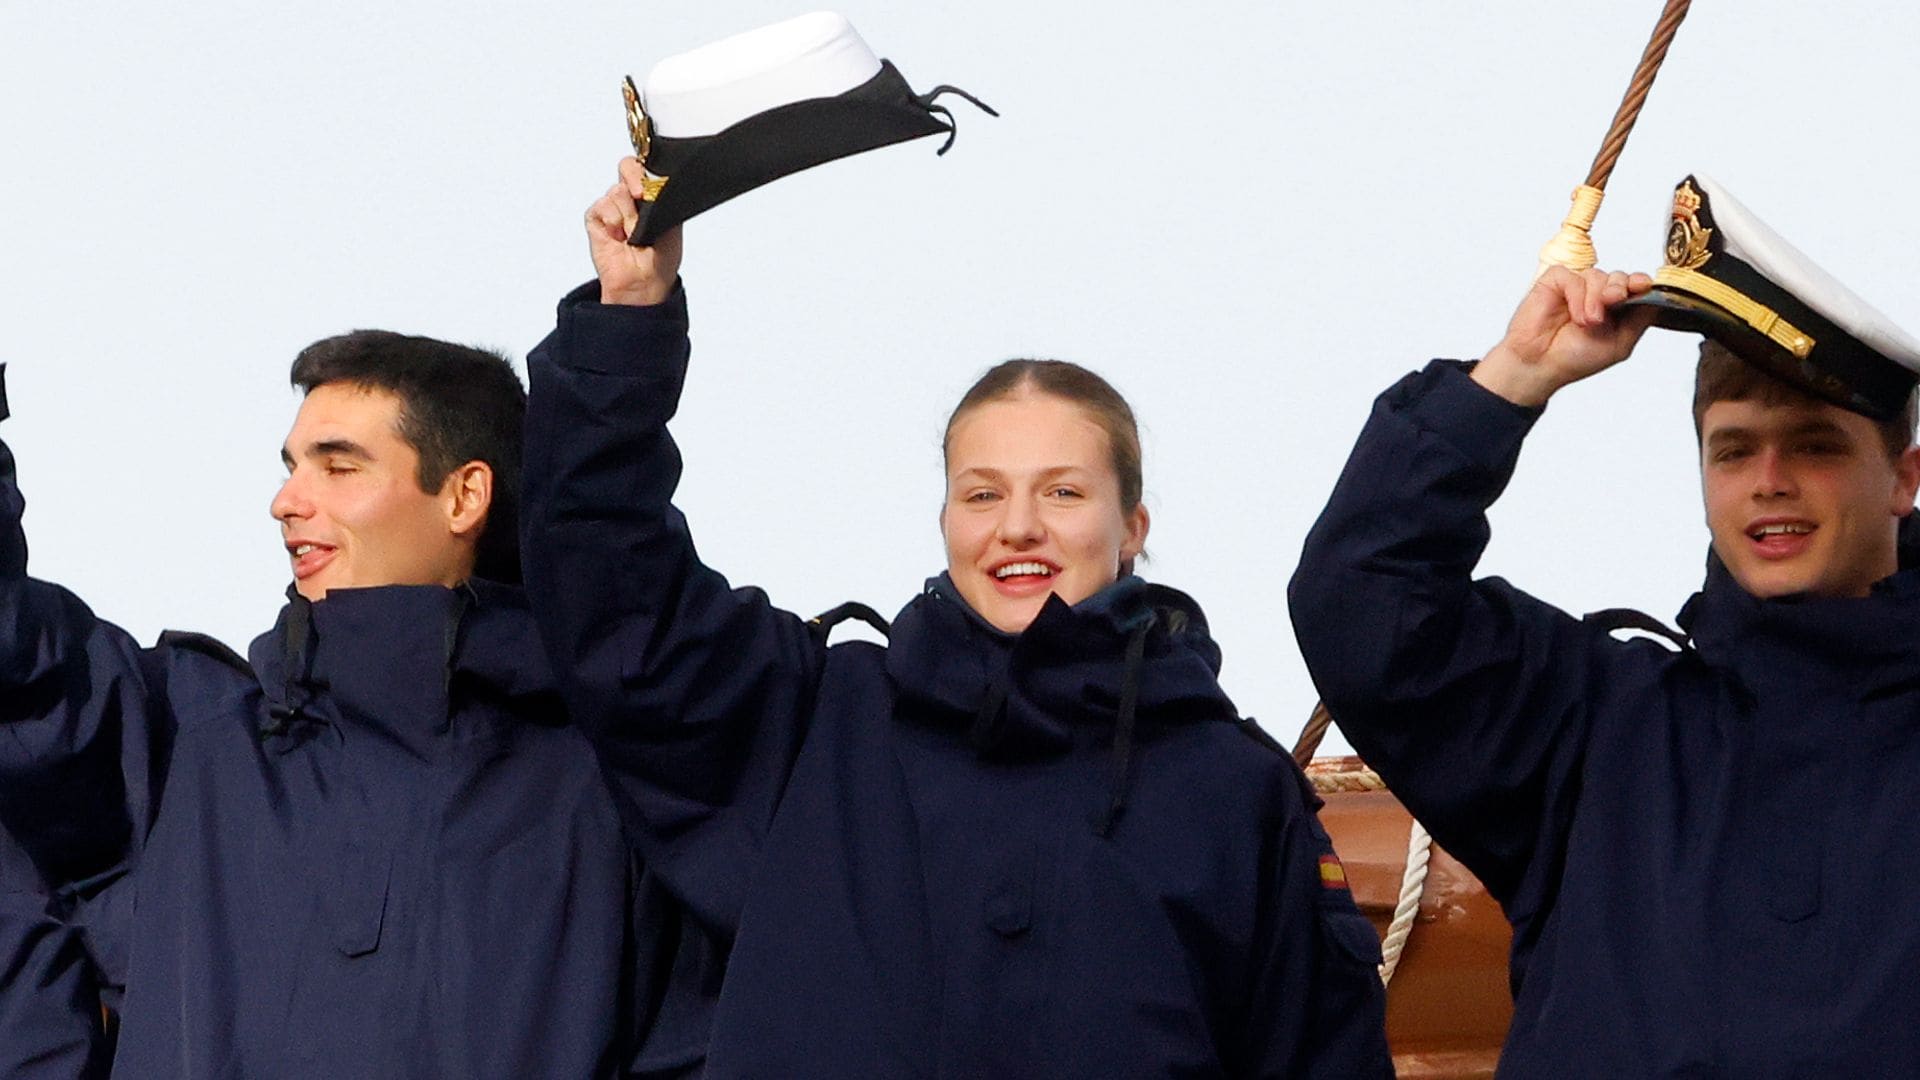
{"x": 1043, "y": 490}
{"x": 1029, "y": 837}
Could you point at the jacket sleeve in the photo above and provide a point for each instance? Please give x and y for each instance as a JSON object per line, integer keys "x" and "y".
{"x": 51, "y": 1026}
{"x": 51, "y": 993}
{"x": 1466, "y": 696}
{"x": 1316, "y": 1007}
{"x": 79, "y": 738}
{"x": 695, "y": 693}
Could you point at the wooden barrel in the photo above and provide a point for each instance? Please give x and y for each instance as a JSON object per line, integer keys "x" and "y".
{"x": 1447, "y": 1002}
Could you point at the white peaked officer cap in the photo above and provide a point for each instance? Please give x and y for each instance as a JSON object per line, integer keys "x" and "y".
{"x": 714, "y": 87}
{"x": 728, "y": 117}
{"x": 1728, "y": 276}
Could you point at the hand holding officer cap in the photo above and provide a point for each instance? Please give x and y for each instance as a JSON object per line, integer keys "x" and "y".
{"x": 1729, "y": 277}
{"x": 728, "y": 117}
{"x": 1567, "y": 328}
{"x": 630, "y": 274}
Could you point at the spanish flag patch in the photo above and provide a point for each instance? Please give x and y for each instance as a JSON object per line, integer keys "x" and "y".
{"x": 1332, "y": 874}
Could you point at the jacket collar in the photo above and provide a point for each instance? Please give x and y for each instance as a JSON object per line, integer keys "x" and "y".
{"x": 387, "y": 658}
{"x": 1800, "y": 641}
{"x": 1020, "y": 693}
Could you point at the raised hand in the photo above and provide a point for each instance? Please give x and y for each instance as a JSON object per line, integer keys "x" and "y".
{"x": 1567, "y": 328}
{"x": 628, "y": 274}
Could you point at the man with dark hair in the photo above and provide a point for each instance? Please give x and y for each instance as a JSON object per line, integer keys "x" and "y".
{"x": 377, "y": 849}
{"x": 1704, "y": 846}
{"x": 456, "y": 405}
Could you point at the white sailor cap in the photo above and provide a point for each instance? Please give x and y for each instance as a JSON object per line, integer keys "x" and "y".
{"x": 1730, "y": 277}
{"x": 728, "y": 117}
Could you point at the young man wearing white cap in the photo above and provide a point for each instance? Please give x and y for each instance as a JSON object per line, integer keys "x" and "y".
{"x": 1704, "y": 853}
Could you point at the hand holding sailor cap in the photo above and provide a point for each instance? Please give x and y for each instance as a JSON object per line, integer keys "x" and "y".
{"x": 630, "y": 273}
{"x": 728, "y": 117}
{"x": 1729, "y": 277}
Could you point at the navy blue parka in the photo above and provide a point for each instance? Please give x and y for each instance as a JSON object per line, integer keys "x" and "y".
{"x": 51, "y": 1024}
{"x": 967, "y": 853}
{"x": 1707, "y": 855}
{"x": 376, "y": 850}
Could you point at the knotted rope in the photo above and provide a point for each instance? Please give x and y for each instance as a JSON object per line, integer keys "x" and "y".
{"x": 1572, "y": 246}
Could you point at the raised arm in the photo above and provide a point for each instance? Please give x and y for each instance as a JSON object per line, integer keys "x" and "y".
{"x": 696, "y": 694}
{"x": 1466, "y": 696}
{"x": 77, "y": 730}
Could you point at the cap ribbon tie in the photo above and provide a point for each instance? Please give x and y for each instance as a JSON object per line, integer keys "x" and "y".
{"x": 926, "y": 101}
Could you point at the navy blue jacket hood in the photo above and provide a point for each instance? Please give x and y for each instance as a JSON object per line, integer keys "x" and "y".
{"x": 1020, "y": 692}
{"x": 1060, "y": 666}
{"x": 1872, "y": 640}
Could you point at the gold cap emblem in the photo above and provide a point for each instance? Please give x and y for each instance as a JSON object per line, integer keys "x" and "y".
{"x": 1686, "y": 237}
{"x": 640, "y": 131}
{"x": 1686, "y": 201}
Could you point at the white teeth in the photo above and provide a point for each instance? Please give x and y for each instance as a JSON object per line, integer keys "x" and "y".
{"x": 302, "y": 550}
{"x": 1783, "y": 528}
{"x": 1012, "y": 569}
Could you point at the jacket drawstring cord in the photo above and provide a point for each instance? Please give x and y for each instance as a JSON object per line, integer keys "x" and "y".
{"x": 1123, "y": 723}
{"x": 463, "y": 598}
{"x": 291, "y": 708}
{"x": 980, "y": 733}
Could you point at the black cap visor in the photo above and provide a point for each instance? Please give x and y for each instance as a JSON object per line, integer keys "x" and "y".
{"x": 1840, "y": 369}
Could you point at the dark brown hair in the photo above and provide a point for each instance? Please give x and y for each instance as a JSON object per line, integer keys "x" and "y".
{"x": 1723, "y": 376}
{"x": 1069, "y": 382}
{"x": 457, "y": 404}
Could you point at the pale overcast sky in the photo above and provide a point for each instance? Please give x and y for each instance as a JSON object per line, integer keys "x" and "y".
{"x": 1252, "y": 217}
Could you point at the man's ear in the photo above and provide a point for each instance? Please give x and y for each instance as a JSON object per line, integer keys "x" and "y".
{"x": 1906, "y": 481}
{"x": 467, "y": 495}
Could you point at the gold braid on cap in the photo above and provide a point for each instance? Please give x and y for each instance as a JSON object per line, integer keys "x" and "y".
{"x": 640, "y": 130}
{"x": 1688, "y": 251}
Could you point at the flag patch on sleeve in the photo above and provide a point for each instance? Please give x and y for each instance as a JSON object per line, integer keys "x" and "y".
{"x": 1332, "y": 874}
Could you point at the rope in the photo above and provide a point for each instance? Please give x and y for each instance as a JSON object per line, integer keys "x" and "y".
{"x": 1351, "y": 774}
{"x": 1310, "y": 736}
{"x": 1413, "y": 883}
{"x": 1636, "y": 95}
{"x": 1572, "y": 246}
{"x": 1327, "y": 781}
